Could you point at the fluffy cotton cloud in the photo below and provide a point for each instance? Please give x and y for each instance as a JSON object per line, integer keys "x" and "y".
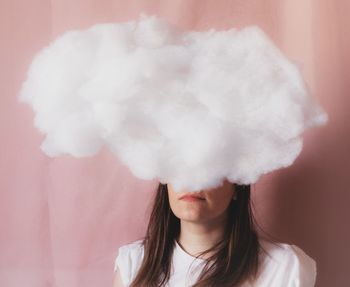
{"x": 185, "y": 107}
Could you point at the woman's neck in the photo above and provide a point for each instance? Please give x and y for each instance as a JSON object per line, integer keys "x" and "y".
{"x": 196, "y": 237}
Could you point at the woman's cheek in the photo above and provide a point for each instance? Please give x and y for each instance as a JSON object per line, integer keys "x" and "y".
{"x": 217, "y": 207}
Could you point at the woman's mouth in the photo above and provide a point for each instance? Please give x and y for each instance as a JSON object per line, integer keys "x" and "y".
{"x": 191, "y": 198}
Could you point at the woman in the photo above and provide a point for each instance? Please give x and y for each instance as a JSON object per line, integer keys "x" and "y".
{"x": 209, "y": 240}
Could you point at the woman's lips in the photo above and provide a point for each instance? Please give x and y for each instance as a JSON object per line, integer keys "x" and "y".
{"x": 192, "y": 198}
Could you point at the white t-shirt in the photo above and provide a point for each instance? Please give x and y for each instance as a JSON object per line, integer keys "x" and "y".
{"x": 287, "y": 266}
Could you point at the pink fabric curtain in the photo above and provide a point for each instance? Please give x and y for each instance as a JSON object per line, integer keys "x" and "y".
{"x": 63, "y": 219}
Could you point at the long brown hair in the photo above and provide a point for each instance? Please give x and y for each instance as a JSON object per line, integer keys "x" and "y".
{"x": 235, "y": 259}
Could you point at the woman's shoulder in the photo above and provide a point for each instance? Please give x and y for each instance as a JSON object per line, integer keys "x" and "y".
{"x": 131, "y": 252}
{"x": 133, "y": 247}
{"x": 128, "y": 260}
{"x": 289, "y": 261}
{"x": 280, "y": 250}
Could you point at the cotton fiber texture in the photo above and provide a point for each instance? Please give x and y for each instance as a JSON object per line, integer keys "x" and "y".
{"x": 190, "y": 108}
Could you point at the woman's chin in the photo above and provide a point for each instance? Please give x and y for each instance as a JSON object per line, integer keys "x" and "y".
{"x": 193, "y": 216}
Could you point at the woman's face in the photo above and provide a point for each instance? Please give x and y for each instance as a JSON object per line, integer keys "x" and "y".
{"x": 212, "y": 206}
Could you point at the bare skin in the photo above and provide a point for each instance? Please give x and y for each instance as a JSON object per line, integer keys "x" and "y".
{"x": 202, "y": 222}
{"x": 117, "y": 279}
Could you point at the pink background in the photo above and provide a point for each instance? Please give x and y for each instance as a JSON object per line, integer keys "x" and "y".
{"x": 62, "y": 219}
